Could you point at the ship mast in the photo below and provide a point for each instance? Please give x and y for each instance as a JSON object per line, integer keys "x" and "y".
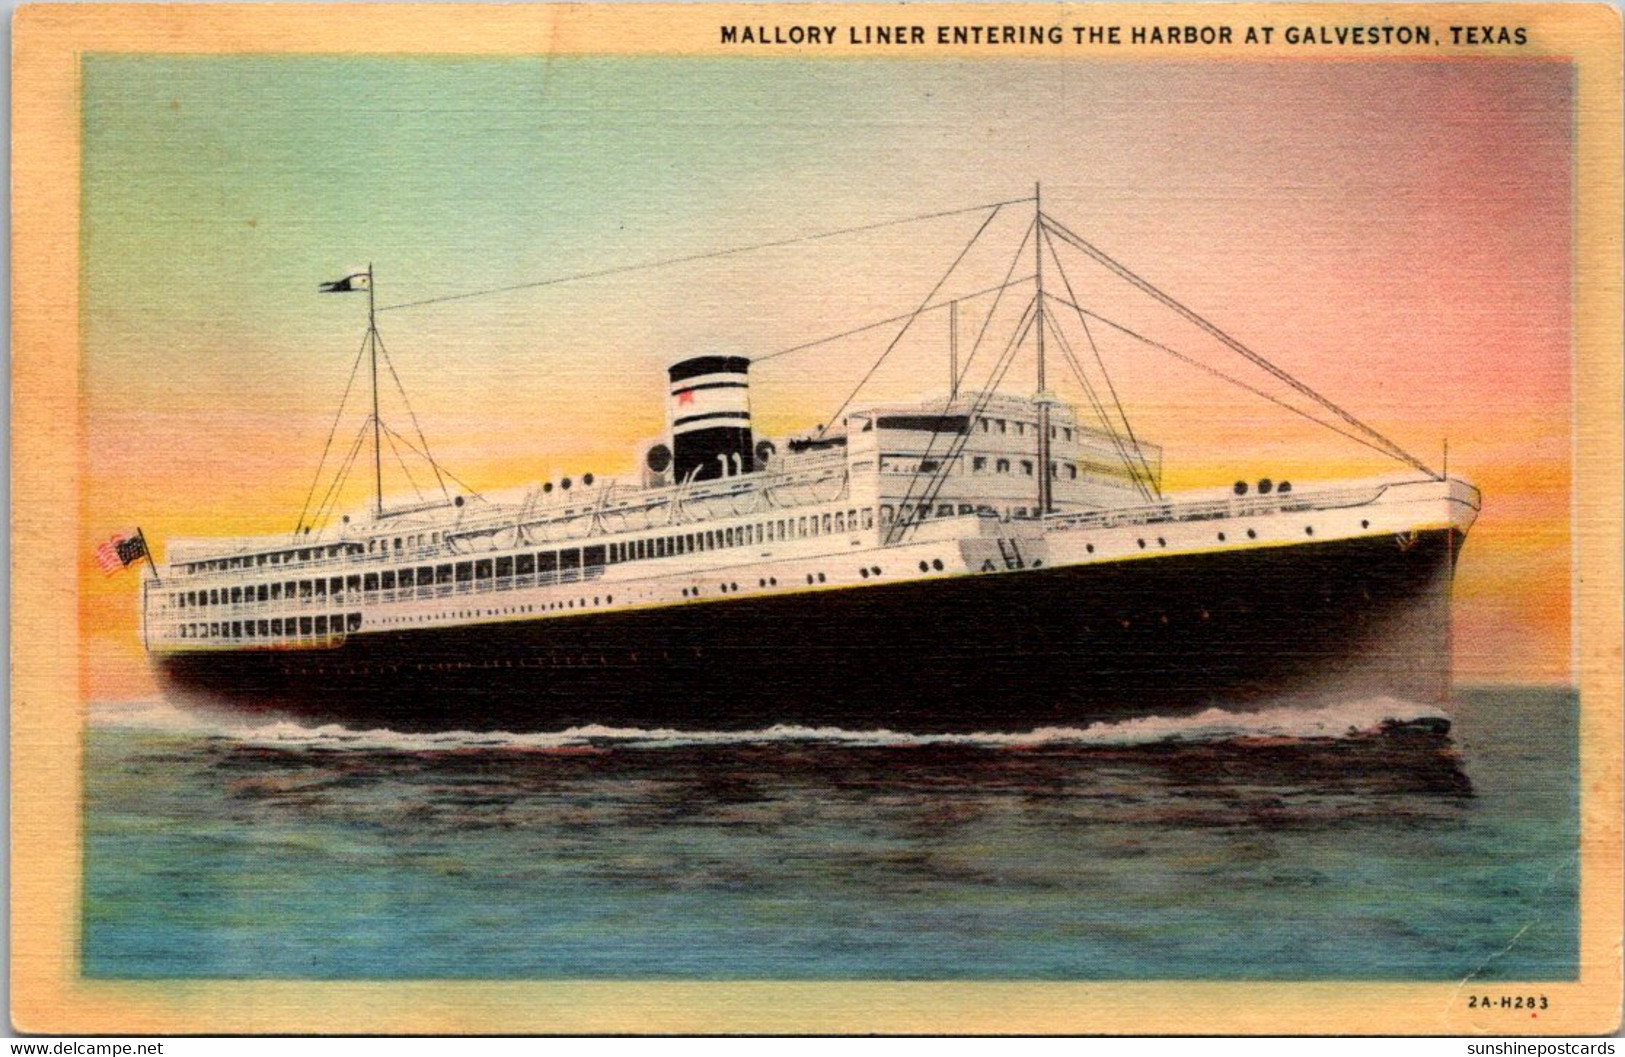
{"x": 377, "y": 425}
{"x": 373, "y": 349}
{"x": 1045, "y": 504}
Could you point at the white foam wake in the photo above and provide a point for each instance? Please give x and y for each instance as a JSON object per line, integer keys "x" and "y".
{"x": 1341, "y": 720}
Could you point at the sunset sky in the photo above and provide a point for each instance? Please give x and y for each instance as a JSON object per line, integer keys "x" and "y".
{"x": 1395, "y": 233}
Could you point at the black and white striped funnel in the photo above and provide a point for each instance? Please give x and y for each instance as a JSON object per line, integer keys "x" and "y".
{"x": 709, "y": 412}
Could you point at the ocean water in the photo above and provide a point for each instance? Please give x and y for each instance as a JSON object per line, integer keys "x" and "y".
{"x": 1278, "y": 845}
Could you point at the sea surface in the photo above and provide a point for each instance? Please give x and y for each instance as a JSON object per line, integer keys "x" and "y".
{"x": 1286, "y": 844}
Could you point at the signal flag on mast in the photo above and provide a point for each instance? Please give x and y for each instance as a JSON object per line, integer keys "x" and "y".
{"x": 354, "y": 281}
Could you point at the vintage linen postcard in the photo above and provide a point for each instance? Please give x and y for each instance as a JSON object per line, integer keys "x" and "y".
{"x": 559, "y": 519}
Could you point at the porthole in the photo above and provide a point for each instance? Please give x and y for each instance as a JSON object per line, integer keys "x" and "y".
{"x": 733, "y": 587}
{"x": 936, "y": 563}
{"x": 1161, "y": 542}
{"x": 1221, "y": 537}
{"x": 809, "y": 578}
{"x": 772, "y": 581}
{"x": 875, "y": 569}
{"x": 1090, "y": 547}
{"x": 1251, "y": 534}
{"x": 820, "y": 577}
{"x": 1142, "y": 544}
{"x": 864, "y": 573}
{"x": 1365, "y": 524}
{"x": 924, "y": 567}
{"x": 1309, "y": 530}
{"x": 761, "y": 583}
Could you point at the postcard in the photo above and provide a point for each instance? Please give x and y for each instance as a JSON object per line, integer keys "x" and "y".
{"x": 1047, "y": 519}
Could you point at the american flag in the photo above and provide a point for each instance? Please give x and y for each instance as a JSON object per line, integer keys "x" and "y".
{"x": 120, "y": 550}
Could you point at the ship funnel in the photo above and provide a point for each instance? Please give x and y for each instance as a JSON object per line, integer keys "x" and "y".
{"x": 709, "y": 412}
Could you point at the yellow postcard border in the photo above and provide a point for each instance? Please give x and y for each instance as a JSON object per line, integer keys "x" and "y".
{"x": 47, "y": 716}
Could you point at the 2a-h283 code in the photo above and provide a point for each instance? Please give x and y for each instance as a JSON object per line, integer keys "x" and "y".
{"x": 1506, "y": 1002}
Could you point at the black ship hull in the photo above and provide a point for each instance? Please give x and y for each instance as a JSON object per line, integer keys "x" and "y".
{"x": 1014, "y": 651}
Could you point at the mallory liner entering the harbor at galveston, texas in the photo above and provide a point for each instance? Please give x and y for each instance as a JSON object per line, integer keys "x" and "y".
{"x": 1022, "y": 35}
{"x": 974, "y": 559}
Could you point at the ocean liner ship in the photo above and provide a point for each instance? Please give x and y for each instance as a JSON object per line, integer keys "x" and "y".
{"x": 972, "y": 560}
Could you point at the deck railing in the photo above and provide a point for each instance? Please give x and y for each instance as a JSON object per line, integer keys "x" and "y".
{"x": 1212, "y": 510}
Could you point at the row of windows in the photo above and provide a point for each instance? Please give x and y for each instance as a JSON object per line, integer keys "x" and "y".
{"x": 807, "y": 527}
{"x": 979, "y": 464}
{"x": 546, "y": 566}
{"x": 273, "y": 628}
{"x": 288, "y": 557}
{"x": 1252, "y": 534}
{"x": 1020, "y": 428}
{"x": 383, "y": 545}
{"x": 467, "y": 614}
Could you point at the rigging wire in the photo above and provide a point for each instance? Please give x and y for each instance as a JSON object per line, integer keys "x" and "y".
{"x": 1101, "y": 363}
{"x": 390, "y": 363}
{"x": 734, "y": 251}
{"x": 1145, "y": 487}
{"x": 323, "y": 511}
{"x": 455, "y": 479}
{"x": 986, "y": 322}
{"x": 1215, "y": 372}
{"x": 396, "y": 451}
{"x": 913, "y": 316}
{"x": 329, "y": 506}
{"x": 338, "y": 415}
{"x": 1393, "y": 450}
{"x": 883, "y": 322}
